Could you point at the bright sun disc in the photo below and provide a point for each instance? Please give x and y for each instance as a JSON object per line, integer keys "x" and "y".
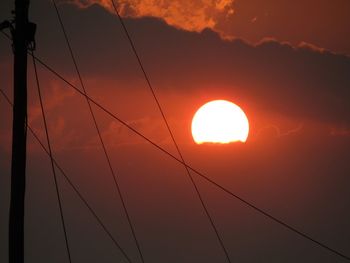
{"x": 220, "y": 121}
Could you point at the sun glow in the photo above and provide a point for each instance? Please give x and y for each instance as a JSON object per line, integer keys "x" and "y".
{"x": 220, "y": 121}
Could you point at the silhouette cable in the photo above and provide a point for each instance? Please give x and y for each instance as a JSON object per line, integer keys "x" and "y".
{"x": 204, "y": 206}
{"x": 85, "y": 202}
{"x": 51, "y": 160}
{"x": 248, "y": 203}
{"x": 132, "y": 228}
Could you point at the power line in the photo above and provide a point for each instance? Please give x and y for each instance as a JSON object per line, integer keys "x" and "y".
{"x": 99, "y": 134}
{"x": 211, "y": 221}
{"x": 63, "y": 173}
{"x": 249, "y": 204}
{"x": 51, "y": 160}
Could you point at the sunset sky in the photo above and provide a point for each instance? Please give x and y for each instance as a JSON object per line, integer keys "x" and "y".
{"x": 285, "y": 63}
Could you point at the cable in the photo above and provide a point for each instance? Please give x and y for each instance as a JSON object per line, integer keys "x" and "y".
{"x": 99, "y": 134}
{"x": 51, "y": 159}
{"x": 72, "y": 185}
{"x": 172, "y": 135}
{"x": 251, "y": 205}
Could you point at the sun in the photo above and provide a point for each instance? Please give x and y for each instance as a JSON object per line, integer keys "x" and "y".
{"x": 220, "y": 121}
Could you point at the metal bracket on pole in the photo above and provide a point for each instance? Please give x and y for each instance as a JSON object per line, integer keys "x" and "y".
{"x": 30, "y": 36}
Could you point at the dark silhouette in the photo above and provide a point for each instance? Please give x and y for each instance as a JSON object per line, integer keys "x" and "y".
{"x": 23, "y": 36}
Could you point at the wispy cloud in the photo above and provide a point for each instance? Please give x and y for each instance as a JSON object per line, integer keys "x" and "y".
{"x": 274, "y": 131}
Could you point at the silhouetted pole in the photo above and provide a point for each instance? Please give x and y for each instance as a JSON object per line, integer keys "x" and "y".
{"x": 19, "y": 133}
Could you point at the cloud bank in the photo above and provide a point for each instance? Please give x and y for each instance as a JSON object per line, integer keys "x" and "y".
{"x": 251, "y": 20}
{"x": 182, "y": 14}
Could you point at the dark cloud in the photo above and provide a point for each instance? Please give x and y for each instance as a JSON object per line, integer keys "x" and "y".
{"x": 302, "y": 82}
{"x": 320, "y": 22}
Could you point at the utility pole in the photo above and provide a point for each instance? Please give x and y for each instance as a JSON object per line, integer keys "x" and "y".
{"x": 23, "y": 36}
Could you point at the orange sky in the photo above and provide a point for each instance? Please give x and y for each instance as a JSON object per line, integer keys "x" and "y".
{"x": 295, "y": 163}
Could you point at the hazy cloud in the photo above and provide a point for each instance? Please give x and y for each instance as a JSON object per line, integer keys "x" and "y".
{"x": 54, "y": 96}
{"x": 340, "y": 132}
{"x": 115, "y": 134}
{"x": 274, "y": 131}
